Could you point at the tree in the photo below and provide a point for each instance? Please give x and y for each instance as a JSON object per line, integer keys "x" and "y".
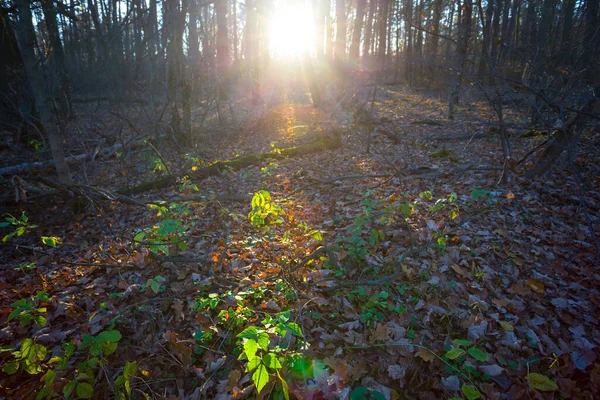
{"x": 39, "y": 87}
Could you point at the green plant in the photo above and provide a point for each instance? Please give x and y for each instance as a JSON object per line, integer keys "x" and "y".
{"x": 20, "y": 225}
{"x": 28, "y": 358}
{"x": 124, "y": 379}
{"x": 24, "y": 267}
{"x": 27, "y": 310}
{"x": 375, "y": 308}
{"x": 262, "y": 359}
{"x": 455, "y": 358}
{"x": 168, "y": 232}
{"x": 264, "y": 211}
{"x": 362, "y": 393}
{"x": 268, "y": 170}
{"x": 155, "y": 284}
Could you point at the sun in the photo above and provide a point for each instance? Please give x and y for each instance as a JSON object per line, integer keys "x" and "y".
{"x": 291, "y": 32}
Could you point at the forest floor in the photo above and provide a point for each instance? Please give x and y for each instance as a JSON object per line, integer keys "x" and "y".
{"x": 408, "y": 272}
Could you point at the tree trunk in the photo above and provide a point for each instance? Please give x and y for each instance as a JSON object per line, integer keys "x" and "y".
{"x": 39, "y": 87}
{"x": 381, "y": 52}
{"x": 57, "y": 60}
{"x": 464, "y": 36}
{"x": 356, "y": 33}
{"x": 368, "y": 31}
{"x": 409, "y": 41}
{"x": 222, "y": 47}
{"x": 485, "y": 45}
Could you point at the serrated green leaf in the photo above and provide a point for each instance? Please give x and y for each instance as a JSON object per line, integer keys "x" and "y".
{"x": 263, "y": 340}
{"x": 84, "y": 390}
{"x": 283, "y": 316}
{"x": 250, "y": 348}
{"x": 542, "y": 382}
{"x": 462, "y": 342}
{"x": 260, "y": 377}
{"x": 253, "y": 363}
{"x": 477, "y": 354}
{"x": 250, "y": 332}
{"x": 294, "y": 329}
{"x": 271, "y": 361}
{"x": 454, "y": 353}
{"x": 470, "y": 392}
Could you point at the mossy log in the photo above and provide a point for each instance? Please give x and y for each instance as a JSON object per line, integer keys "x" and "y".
{"x": 323, "y": 143}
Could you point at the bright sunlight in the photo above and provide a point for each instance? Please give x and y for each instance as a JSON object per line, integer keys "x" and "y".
{"x": 291, "y": 29}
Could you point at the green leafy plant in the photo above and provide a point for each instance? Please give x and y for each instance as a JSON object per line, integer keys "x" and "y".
{"x": 27, "y": 358}
{"x": 24, "y": 267}
{"x": 155, "y": 284}
{"x": 167, "y": 233}
{"x": 266, "y": 362}
{"x": 20, "y": 226}
{"x": 124, "y": 379}
{"x": 27, "y": 310}
{"x": 376, "y": 307}
{"x": 264, "y": 211}
{"x": 455, "y": 358}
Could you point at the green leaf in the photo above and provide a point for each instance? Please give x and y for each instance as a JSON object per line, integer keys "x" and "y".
{"x": 295, "y": 329}
{"x": 11, "y": 367}
{"x": 542, "y": 382}
{"x": 507, "y": 326}
{"x": 470, "y": 392}
{"x": 51, "y": 241}
{"x": 250, "y": 332}
{"x": 477, "y": 354}
{"x": 462, "y": 342}
{"x": 454, "y": 353}
{"x": 260, "y": 377}
{"x": 263, "y": 340}
{"x": 271, "y": 361}
{"x": 250, "y": 348}
{"x": 284, "y": 387}
{"x": 130, "y": 369}
{"x": 359, "y": 393}
{"x": 253, "y": 363}
{"x": 109, "y": 336}
{"x": 84, "y": 390}
{"x": 68, "y": 389}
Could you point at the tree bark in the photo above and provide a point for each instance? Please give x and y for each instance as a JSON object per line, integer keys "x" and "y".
{"x": 356, "y": 33}
{"x": 39, "y": 87}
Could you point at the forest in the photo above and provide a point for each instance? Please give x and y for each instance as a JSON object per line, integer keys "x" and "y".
{"x": 299, "y": 199}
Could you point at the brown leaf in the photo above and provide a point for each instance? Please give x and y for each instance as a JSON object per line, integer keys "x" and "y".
{"x": 426, "y": 355}
{"x": 536, "y": 285}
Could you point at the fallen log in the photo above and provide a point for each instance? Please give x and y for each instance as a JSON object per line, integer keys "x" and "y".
{"x": 104, "y": 153}
{"x": 324, "y": 143}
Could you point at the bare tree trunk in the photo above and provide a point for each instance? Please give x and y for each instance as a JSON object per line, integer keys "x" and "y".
{"x": 356, "y": 33}
{"x": 409, "y": 41}
{"x": 235, "y": 31}
{"x": 462, "y": 50}
{"x": 369, "y": 30}
{"x": 485, "y": 45}
{"x": 57, "y": 60}
{"x": 39, "y": 87}
{"x": 381, "y": 52}
{"x": 222, "y": 47}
